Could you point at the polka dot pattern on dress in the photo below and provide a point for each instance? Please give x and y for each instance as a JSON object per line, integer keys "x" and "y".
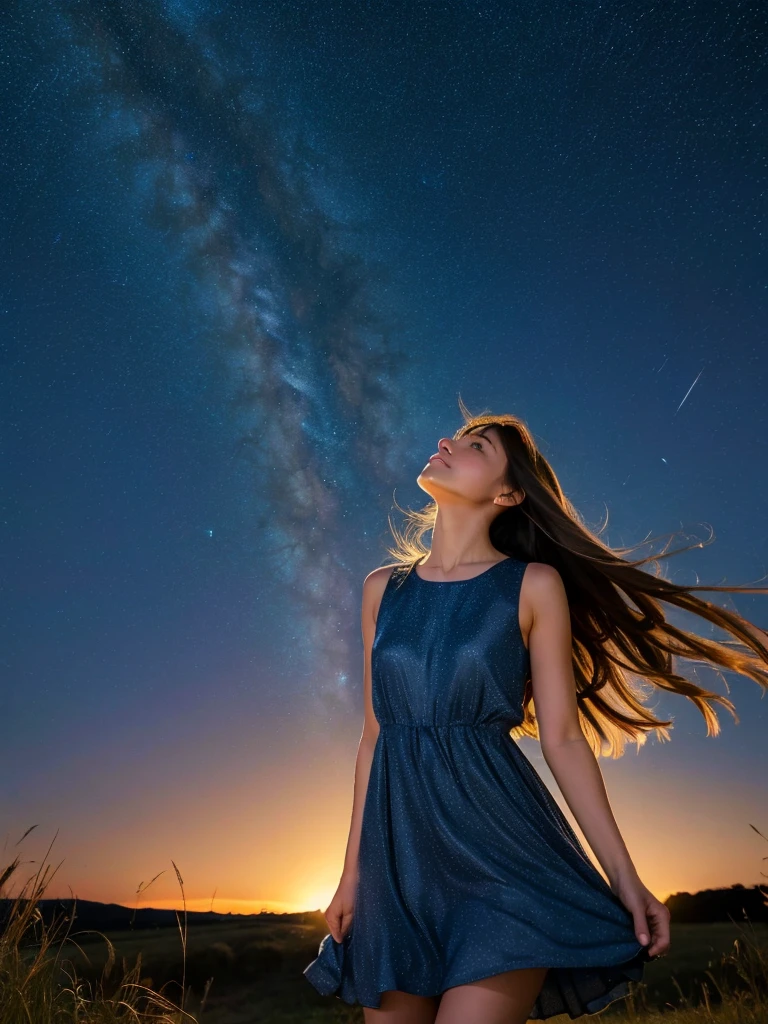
{"x": 467, "y": 865}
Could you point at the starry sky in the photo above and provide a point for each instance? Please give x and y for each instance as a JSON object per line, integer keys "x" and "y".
{"x": 252, "y": 257}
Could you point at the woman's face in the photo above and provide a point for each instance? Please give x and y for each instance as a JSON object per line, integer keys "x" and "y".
{"x": 471, "y": 468}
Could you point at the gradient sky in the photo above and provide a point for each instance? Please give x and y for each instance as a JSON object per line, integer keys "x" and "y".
{"x": 252, "y": 256}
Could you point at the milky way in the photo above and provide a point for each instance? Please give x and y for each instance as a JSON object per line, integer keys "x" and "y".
{"x": 222, "y": 171}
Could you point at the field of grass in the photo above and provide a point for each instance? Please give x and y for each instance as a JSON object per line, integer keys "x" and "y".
{"x": 243, "y": 972}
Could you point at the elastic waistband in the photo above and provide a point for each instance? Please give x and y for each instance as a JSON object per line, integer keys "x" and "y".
{"x": 499, "y": 726}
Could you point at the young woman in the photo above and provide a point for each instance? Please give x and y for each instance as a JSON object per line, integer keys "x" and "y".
{"x": 466, "y": 897}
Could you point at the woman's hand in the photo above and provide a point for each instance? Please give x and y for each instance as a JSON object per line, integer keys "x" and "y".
{"x": 650, "y": 915}
{"x": 340, "y": 910}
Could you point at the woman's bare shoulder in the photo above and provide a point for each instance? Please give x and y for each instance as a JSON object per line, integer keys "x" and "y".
{"x": 374, "y": 586}
{"x": 543, "y": 577}
{"x": 376, "y": 581}
{"x": 543, "y": 590}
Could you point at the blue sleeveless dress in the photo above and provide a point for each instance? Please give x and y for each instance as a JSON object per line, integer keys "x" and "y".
{"x": 467, "y": 866}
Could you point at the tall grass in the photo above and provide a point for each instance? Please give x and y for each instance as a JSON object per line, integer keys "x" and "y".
{"x": 736, "y": 991}
{"x": 38, "y": 985}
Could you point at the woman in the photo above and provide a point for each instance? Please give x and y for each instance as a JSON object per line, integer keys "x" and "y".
{"x": 466, "y": 897}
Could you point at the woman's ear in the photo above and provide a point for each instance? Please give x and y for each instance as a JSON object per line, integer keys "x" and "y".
{"x": 513, "y": 498}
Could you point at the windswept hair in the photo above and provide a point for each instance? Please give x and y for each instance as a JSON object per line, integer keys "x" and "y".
{"x": 621, "y": 639}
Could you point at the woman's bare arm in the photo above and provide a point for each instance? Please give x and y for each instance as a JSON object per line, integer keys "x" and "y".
{"x": 570, "y": 757}
{"x": 373, "y": 588}
{"x": 563, "y": 744}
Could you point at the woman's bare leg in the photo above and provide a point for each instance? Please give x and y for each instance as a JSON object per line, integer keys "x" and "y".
{"x": 403, "y": 1008}
{"x": 505, "y": 998}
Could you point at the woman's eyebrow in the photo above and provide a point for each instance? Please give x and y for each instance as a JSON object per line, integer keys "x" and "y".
{"x": 476, "y": 433}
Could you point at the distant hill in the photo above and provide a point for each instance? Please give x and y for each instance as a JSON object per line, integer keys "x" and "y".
{"x": 704, "y": 907}
{"x": 111, "y": 917}
{"x": 710, "y": 905}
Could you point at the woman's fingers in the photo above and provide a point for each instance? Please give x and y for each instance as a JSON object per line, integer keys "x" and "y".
{"x": 642, "y": 926}
{"x": 650, "y": 918}
{"x": 346, "y": 921}
{"x": 332, "y": 920}
{"x": 659, "y": 916}
{"x": 338, "y": 921}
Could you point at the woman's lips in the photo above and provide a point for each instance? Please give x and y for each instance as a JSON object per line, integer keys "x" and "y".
{"x": 438, "y": 458}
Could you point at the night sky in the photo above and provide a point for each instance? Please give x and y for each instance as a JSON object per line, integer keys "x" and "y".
{"x": 253, "y": 255}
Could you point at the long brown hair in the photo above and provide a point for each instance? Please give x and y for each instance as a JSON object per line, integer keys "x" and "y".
{"x": 620, "y": 635}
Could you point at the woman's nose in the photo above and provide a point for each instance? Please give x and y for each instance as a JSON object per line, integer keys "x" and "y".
{"x": 444, "y": 442}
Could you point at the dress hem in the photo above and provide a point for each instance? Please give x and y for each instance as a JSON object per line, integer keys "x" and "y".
{"x": 328, "y": 983}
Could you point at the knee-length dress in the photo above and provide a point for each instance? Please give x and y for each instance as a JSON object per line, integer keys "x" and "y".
{"x": 467, "y": 866}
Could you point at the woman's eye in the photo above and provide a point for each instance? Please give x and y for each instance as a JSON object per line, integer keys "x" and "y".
{"x": 476, "y": 442}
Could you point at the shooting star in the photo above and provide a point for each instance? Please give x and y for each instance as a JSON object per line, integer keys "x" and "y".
{"x": 690, "y": 389}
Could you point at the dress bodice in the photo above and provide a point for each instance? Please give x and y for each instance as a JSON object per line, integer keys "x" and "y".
{"x": 450, "y": 652}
